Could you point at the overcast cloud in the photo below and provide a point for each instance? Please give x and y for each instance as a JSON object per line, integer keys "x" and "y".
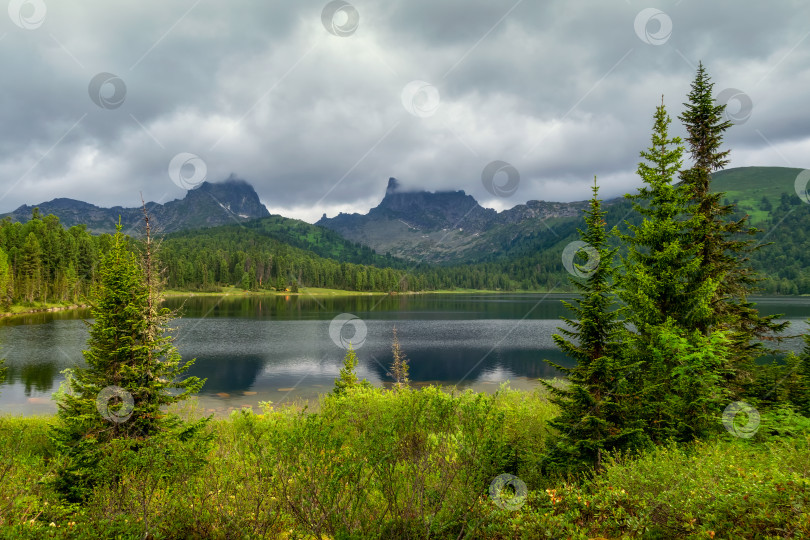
{"x": 317, "y": 120}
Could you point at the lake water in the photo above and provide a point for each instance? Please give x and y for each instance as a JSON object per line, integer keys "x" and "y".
{"x": 278, "y": 348}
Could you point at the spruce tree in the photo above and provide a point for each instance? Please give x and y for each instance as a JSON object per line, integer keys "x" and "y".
{"x": 348, "y": 374}
{"x": 658, "y": 288}
{"x": 133, "y": 371}
{"x": 662, "y": 256}
{"x": 678, "y": 379}
{"x": 725, "y": 241}
{"x": 595, "y": 413}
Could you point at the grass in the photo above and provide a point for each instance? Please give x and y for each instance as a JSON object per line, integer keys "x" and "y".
{"x": 415, "y": 464}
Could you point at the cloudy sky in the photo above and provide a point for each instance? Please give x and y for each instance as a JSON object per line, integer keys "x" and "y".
{"x": 317, "y": 103}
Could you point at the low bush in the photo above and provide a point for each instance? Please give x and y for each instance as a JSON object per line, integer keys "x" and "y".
{"x": 411, "y": 463}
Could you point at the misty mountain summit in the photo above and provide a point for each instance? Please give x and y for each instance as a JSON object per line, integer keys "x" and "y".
{"x": 208, "y": 205}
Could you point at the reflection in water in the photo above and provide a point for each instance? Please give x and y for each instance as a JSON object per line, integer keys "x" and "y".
{"x": 278, "y": 348}
{"x": 225, "y": 373}
{"x": 38, "y": 376}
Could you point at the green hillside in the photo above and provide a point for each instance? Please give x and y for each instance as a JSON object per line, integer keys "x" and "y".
{"x": 748, "y": 185}
{"x": 318, "y": 240}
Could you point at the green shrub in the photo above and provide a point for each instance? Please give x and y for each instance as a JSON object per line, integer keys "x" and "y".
{"x": 383, "y": 464}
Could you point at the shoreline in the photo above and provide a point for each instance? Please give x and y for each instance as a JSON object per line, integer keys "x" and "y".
{"x": 311, "y": 291}
{"x": 233, "y": 291}
{"x": 42, "y": 310}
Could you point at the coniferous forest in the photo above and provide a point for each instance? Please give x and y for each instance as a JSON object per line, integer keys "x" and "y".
{"x": 669, "y": 425}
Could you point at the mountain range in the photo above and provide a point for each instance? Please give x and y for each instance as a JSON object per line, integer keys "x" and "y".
{"x": 445, "y": 226}
{"x": 448, "y": 227}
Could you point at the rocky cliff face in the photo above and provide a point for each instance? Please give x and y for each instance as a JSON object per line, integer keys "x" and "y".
{"x": 208, "y": 205}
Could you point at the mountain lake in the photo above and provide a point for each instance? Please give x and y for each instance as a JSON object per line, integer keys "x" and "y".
{"x": 286, "y": 348}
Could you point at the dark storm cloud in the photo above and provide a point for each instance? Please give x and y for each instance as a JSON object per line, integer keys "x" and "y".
{"x": 560, "y": 90}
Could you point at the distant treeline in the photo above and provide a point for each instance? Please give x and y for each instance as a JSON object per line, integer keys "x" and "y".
{"x": 206, "y": 259}
{"x": 41, "y": 261}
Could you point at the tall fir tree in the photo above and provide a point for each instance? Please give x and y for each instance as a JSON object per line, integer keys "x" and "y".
{"x": 725, "y": 241}
{"x": 133, "y": 372}
{"x": 662, "y": 257}
{"x": 665, "y": 304}
{"x": 595, "y": 412}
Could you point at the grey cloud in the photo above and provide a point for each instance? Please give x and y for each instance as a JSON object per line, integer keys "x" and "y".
{"x": 560, "y": 90}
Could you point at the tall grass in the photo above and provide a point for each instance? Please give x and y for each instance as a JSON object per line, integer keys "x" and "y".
{"x": 410, "y": 464}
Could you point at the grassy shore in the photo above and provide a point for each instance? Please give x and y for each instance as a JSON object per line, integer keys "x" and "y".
{"x": 413, "y": 464}
{"x": 303, "y": 291}
{"x": 39, "y": 307}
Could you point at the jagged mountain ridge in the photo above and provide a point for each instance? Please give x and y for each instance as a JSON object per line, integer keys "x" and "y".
{"x": 208, "y": 205}
{"x": 451, "y": 227}
{"x": 445, "y": 226}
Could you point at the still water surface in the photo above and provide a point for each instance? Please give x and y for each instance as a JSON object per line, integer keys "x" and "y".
{"x": 278, "y": 348}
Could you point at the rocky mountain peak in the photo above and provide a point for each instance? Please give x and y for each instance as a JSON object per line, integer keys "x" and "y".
{"x": 393, "y": 185}
{"x": 208, "y": 205}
